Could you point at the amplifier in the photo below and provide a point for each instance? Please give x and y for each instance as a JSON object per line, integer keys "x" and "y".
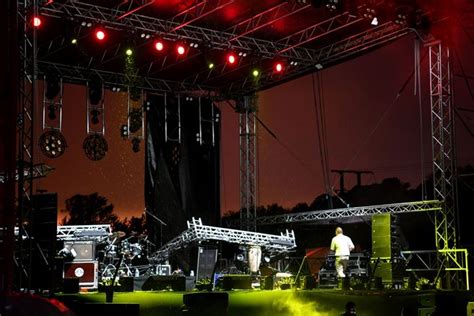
{"x": 82, "y": 250}
{"x": 87, "y": 272}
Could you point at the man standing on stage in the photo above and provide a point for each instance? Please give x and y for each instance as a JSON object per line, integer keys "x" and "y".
{"x": 342, "y": 246}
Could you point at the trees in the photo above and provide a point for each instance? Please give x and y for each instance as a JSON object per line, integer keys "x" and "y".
{"x": 89, "y": 209}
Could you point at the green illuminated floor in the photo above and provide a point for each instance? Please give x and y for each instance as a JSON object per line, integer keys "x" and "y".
{"x": 288, "y": 302}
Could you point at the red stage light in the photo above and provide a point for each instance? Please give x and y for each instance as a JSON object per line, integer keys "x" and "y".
{"x": 100, "y": 35}
{"x": 231, "y": 58}
{"x": 36, "y": 21}
{"x": 278, "y": 67}
{"x": 180, "y": 49}
{"x": 159, "y": 46}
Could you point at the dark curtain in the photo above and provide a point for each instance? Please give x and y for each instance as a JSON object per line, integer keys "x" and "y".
{"x": 181, "y": 178}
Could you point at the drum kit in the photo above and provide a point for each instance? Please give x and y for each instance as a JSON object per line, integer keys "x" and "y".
{"x": 130, "y": 254}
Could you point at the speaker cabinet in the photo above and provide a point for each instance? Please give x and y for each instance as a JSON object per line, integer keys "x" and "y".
{"x": 84, "y": 250}
{"x": 87, "y": 272}
{"x": 235, "y": 281}
{"x": 163, "y": 282}
{"x": 381, "y": 236}
{"x": 207, "y": 258}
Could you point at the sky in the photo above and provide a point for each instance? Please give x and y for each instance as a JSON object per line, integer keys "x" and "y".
{"x": 368, "y": 128}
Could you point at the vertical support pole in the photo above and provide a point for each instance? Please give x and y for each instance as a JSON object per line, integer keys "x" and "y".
{"x": 442, "y": 137}
{"x": 27, "y": 104}
{"x": 248, "y": 163}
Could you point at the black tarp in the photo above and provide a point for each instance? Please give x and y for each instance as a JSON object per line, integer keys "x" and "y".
{"x": 181, "y": 178}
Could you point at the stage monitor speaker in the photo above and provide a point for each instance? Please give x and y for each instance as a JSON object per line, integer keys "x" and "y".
{"x": 234, "y": 281}
{"x": 84, "y": 250}
{"x": 381, "y": 236}
{"x": 207, "y": 258}
{"x": 163, "y": 282}
{"x": 126, "y": 284}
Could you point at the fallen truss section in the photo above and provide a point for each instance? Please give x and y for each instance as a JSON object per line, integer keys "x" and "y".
{"x": 83, "y": 232}
{"x": 351, "y": 212}
{"x": 197, "y": 232}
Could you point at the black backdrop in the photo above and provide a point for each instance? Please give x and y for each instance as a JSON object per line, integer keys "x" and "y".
{"x": 181, "y": 179}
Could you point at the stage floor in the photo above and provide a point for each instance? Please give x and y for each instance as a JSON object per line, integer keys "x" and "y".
{"x": 316, "y": 302}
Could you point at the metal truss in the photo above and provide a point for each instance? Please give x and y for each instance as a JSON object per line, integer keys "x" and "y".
{"x": 25, "y": 156}
{"x": 444, "y": 166}
{"x": 322, "y": 57}
{"x": 437, "y": 261}
{"x": 330, "y": 215}
{"x": 142, "y": 23}
{"x": 83, "y": 232}
{"x": 81, "y": 75}
{"x": 197, "y": 232}
{"x": 39, "y": 171}
{"x": 246, "y": 107}
{"x": 442, "y": 144}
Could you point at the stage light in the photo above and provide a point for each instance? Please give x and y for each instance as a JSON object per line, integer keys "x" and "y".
{"x": 318, "y": 66}
{"x": 129, "y": 52}
{"x": 36, "y": 21}
{"x": 159, "y": 46}
{"x": 231, "y": 59}
{"x": 255, "y": 73}
{"x": 180, "y": 49}
{"x": 95, "y": 147}
{"x": 293, "y": 63}
{"x": 210, "y": 65}
{"x": 52, "y": 143}
{"x": 100, "y": 35}
{"x": 124, "y": 131}
{"x": 278, "y": 67}
{"x": 375, "y": 21}
{"x": 74, "y": 41}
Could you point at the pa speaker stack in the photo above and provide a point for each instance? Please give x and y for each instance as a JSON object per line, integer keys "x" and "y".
{"x": 83, "y": 266}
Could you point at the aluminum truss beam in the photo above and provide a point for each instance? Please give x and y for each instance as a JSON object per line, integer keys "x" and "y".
{"x": 444, "y": 166}
{"x": 435, "y": 261}
{"x": 27, "y": 103}
{"x": 334, "y": 214}
{"x": 197, "y": 232}
{"x": 246, "y": 107}
{"x": 324, "y": 57}
{"x": 142, "y": 23}
{"x": 81, "y": 75}
{"x": 81, "y": 232}
{"x": 39, "y": 171}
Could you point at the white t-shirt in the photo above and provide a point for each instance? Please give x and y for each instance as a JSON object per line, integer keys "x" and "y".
{"x": 342, "y": 245}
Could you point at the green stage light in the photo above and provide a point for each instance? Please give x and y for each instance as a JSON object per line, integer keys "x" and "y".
{"x": 255, "y": 73}
{"x": 210, "y": 65}
{"x": 74, "y": 41}
{"x": 129, "y": 52}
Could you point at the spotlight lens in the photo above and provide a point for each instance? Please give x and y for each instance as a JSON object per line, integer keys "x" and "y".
{"x": 159, "y": 46}
{"x": 36, "y": 21}
{"x": 278, "y": 67}
{"x": 255, "y": 73}
{"x": 180, "y": 49}
{"x": 100, "y": 35}
{"x": 129, "y": 52}
{"x": 74, "y": 41}
{"x": 231, "y": 58}
{"x": 211, "y": 65}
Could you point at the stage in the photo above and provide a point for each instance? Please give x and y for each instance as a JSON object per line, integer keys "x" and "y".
{"x": 275, "y": 302}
